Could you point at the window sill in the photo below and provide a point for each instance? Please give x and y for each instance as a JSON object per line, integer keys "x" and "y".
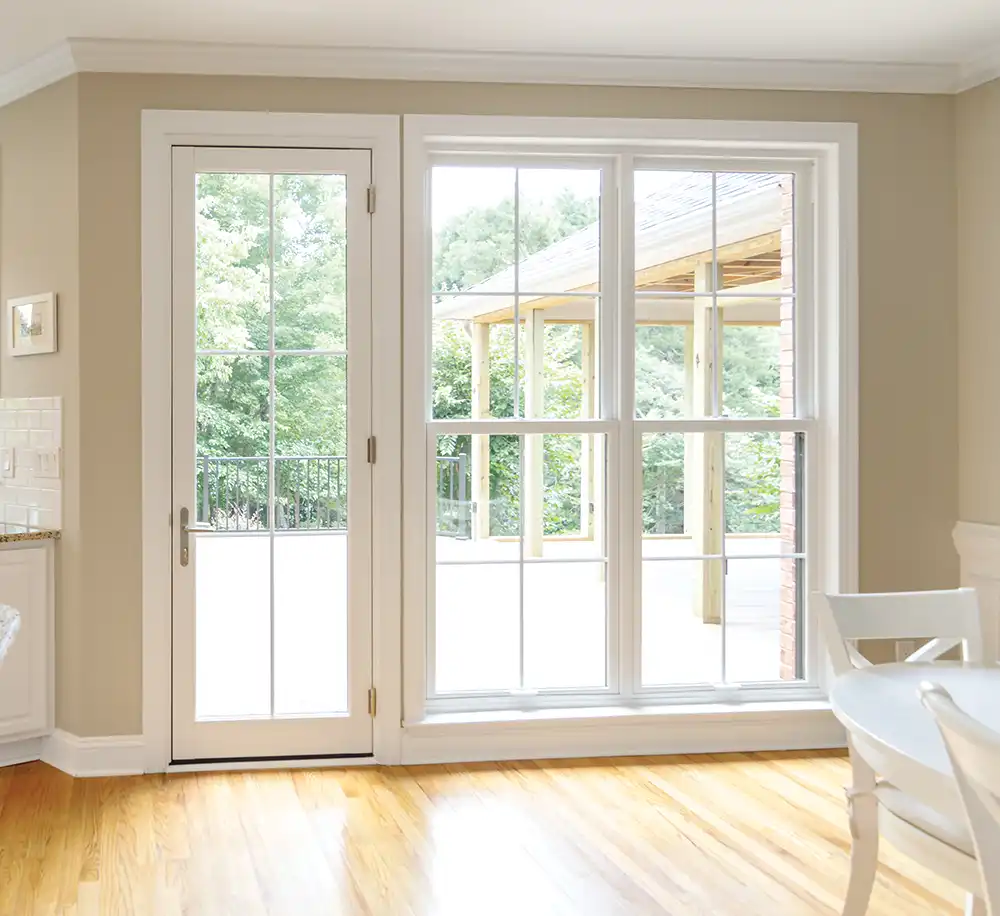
{"x": 622, "y": 731}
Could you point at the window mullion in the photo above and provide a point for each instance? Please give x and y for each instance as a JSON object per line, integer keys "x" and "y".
{"x": 624, "y": 550}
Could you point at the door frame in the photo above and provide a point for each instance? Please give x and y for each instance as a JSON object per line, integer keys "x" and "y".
{"x": 161, "y": 131}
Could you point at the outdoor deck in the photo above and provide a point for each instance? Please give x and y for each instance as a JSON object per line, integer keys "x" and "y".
{"x": 478, "y": 619}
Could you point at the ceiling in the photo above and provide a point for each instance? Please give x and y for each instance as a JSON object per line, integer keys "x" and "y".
{"x": 922, "y": 33}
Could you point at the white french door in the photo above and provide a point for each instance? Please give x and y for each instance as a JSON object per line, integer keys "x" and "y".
{"x": 272, "y": 500}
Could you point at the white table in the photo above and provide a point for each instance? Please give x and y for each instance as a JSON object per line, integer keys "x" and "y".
{"x": 881, "y": 709}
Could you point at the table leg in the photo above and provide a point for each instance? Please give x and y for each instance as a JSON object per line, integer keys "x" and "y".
{"x": 863, "y": 810}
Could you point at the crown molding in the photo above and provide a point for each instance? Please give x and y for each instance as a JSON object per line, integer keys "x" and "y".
{"x": 982, "y": 69}
{"x": 99, "y": 55}
{"x": 47, "y": 68}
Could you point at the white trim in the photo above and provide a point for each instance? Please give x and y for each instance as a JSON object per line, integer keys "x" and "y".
{"x": 824, "y": 156}
{"x": 251, "y": 766}
{"x": 624, "y": 732}
{"x": 22, "y": 751}
{"x": 161, "y": 130}
{"x": 978, "y": 546}
{"x": 116, "y": 755}
{"x": 979, "y": 70}
{"x": 102, "y": 55}
{"x": 43, "y": 70}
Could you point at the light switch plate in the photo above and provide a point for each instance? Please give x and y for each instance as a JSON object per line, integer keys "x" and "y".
{"x": 6, "y": 462}
{"x": 47, "y": 463}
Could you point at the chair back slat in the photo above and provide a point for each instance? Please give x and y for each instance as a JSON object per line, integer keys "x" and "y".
{"x": 974, "y": 751}
{"x": 948, "y": 618}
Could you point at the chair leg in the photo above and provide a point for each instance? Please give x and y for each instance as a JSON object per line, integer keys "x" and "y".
{"x": 863, "y": 808}
{"x": 975, "y": 906}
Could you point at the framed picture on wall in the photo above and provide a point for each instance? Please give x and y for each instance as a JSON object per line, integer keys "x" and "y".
{"x": 31, "y": 325}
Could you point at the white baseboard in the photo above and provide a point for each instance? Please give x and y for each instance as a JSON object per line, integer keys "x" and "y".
{"x": 22, "y": 751}
{"x": 115, "y": 755}
{"x": 681, "y": 732}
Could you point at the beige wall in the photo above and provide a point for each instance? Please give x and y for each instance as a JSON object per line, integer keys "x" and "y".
{"x": 978, "y": 154}
{"x": 907, "y": 320}
{"x": 39, "y": 252}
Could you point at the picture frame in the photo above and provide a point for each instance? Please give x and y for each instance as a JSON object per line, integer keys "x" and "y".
{"x": 31, "y": 325}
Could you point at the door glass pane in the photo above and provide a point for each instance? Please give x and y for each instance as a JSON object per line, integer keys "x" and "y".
{"x": 233, "y": 625}
{"x": 310, "y": 623}
{"x": 570, "y": 494}
{"x": 232, "y": 417}
{"x": 310, "y": 262}
{"x": 272, "y": 447}
{"x": 232, "y": 256}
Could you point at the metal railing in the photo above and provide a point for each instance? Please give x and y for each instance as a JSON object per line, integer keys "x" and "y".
{"x": 310, "y": 493}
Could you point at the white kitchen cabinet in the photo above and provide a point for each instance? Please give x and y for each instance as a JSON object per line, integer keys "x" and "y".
{"x": 27, "y": 694}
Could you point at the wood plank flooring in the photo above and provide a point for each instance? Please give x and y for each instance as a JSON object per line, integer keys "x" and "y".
{"x": 685, "y": 836}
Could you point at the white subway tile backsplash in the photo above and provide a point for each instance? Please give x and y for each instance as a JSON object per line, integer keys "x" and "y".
{"x": 26, "y": 425}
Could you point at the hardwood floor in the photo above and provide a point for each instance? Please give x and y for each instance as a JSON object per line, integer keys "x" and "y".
{"x": 734, "y": 834}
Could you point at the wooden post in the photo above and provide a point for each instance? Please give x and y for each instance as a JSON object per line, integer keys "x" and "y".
{"x": 534, "y": 407}
{"x": 706, "y": 481}
{"x": 588, "y": 363}
{"x": 480, "y": 444}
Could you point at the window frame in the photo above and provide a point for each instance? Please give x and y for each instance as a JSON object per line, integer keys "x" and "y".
{"x": 823, "y": 158}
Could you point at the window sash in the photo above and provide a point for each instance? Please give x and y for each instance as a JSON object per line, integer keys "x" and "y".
{"x": 617, "y": 421}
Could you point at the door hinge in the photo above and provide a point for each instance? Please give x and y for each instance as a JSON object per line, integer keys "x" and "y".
{"x": 372, "y": 702}
{"x": 371, "y": 449}
{"x": 371, "y": 198}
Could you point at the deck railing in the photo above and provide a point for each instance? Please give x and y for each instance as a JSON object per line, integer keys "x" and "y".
{"x": 310, "y": 493}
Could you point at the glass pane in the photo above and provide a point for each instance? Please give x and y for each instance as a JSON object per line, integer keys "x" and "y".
{"x": 665, "y": 529}
{"x": 232, "y": 262}
{"x": 762, "y": 619}
{"x": 310, "y": 624}
{"x": 681, "y": 640}
{"x": 233, "y": 625}
{"x": 472, "y": 218}
{"x": 758, "y": 357}
{"x": 763, "y": 474}
{"x": 473, "y": 365}
{"x": 477, "y": 627}
{"x": 664, "y": 373}
{"x": 560, "y": 239}
{"x": 310, "y": 441}
{"x": 754, "y": 220}
{"x": 232, "y": 418}
{"x": 310, "y": 262}
{"x": 478, "y": 498}
{"x": 569, "y": 491}
{"x": 673, "y": 230}
{"x": 565, "y": 625}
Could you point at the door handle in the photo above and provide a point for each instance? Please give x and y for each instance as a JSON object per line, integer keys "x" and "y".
{"x": 186, "y": 530}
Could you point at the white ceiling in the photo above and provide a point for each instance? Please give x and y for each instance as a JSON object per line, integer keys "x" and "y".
{"x": 916, "y": 32}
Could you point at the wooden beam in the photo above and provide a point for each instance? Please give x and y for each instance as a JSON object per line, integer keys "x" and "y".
{"x": 480, "y": 444}
{"x": 706, "y": 473}
{"x": 532, "y": 486}
{"x": 657, "y": 273}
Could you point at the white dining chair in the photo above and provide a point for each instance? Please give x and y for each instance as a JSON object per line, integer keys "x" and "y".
{"x": 949, "y": 619}
{"x": 974, "y": 751}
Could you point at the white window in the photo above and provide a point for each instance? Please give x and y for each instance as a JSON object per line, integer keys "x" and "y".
{"x": 627, "y": 442}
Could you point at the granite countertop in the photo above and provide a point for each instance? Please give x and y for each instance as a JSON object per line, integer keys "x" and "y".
{"x": 10, "y": 534}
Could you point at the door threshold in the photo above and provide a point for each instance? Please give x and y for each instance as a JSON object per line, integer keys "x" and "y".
{"x": 291, "y": 762}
